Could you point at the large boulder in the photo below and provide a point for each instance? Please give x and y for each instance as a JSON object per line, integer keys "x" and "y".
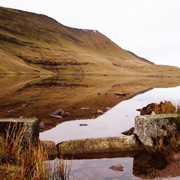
{"x": 149, "y": 128}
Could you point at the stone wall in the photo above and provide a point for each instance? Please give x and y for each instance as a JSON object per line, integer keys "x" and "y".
{"x": 29, "y": 127}
{"x": 100, "y": 145}
{"x": 149, "y": 128}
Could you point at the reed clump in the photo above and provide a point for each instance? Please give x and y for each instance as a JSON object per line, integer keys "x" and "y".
{"x": 60, "y": 170}
{"x": 168, "y": 145}
{"x": 164, "y": 108}
{"x": 178, "y": 108}
{"x": 26, "y": 160}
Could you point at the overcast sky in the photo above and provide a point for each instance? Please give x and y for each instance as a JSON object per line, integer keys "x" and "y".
{"x": 149, "y": 28}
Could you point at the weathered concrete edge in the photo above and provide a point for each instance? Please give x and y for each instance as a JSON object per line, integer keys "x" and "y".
{"x": 149, "y": 128}
{"x": 49, "y": 148}
{"x": 100, "y": 145}
{"x": 30, "y": 127}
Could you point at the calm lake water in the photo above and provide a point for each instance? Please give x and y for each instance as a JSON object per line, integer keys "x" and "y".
{"x": 114, "y": 121}
{"x": 40, "y": 97}
{"x": 111, "y": 124}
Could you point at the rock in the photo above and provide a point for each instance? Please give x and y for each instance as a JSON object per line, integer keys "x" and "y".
{"x": 56, "y": 116}
{"x": 82, "y": 124}
{"x": 149, "y": 128}
{"x": 11, "y": 111}
{"x": 102, "y": 93}
{"x": 60, "y": 114}
{"x": 84, "y": 108}
{"x": 24, "y": 105}
{"x": 49, "y": 147}
{"x": 120, "y": 95}
{"x": 28, "y": 125}
{"x": 107, "y": 108}
{"x": 41, "y": 125}
{"x": 65, "y": 114}
{"x": 99, "y": 145}
{"x": 99, "y": 111}
{"x": 128, "y": 132}
{"x": 153, "y": 113}
{"x": 117, "y": 168}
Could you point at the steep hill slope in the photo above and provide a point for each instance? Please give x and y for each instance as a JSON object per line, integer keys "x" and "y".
{"x": 34, "y": 43}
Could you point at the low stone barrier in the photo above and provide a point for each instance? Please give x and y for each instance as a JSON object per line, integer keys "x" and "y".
{"x": 100, "y": 145}
{"x": 148, "y": 128}
{"x": 29, "y": 126}
{"x": 50, "y": 149}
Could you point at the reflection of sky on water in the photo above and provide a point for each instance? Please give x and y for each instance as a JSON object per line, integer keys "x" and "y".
{"x": 112, "y": 123}
{"x": 99, "y": 169}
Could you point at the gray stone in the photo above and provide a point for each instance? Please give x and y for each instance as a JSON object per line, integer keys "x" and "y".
{"x": 128, "y": 132}
{"x": 99, "y": 111}
{"x": 56, "y": 116}
{"x": 100, "y": 145}
{"x": 11, "y": 111}
{"x": 29, "y": 125}
{"x": 60, "y": 114}
{"x": 41, "y": 125}
{"x": 24, "y": 105}
{"x": 150, "y": 127}
{"x": 83, "y": 108}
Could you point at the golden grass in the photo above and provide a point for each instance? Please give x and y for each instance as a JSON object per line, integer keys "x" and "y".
{"x": 31, "y": 43}
{"x": 21, "y": 161}
{"x": 164, "y": 145}
{"x": 168, "y": 146}
{"x": 178, "y": 108}
{"x": 165, "y": 108}
{"x": 61, "y": 170}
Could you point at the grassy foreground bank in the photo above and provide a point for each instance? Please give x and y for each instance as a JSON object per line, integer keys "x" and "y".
{"x": 21, "y": 161}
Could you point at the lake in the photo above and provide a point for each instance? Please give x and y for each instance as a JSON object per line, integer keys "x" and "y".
{"x": 81, "y": 96}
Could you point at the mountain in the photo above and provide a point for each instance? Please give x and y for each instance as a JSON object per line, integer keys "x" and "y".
{"x": 34, "y": 43}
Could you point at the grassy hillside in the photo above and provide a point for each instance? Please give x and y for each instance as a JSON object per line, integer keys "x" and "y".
{"x": 34, "y": 43}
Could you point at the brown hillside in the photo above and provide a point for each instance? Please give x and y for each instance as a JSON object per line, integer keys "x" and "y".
{"x": 34, "y": 43}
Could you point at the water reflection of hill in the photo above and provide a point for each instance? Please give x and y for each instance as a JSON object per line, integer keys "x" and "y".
{"x": 70, "y": 93}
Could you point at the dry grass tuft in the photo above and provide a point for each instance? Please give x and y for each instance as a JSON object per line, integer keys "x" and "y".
{"x": 61, "y": 170}
{"x": 165, "y": 107}
{"x": 21, "y": 161}
{"x": 168, "y": 146}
